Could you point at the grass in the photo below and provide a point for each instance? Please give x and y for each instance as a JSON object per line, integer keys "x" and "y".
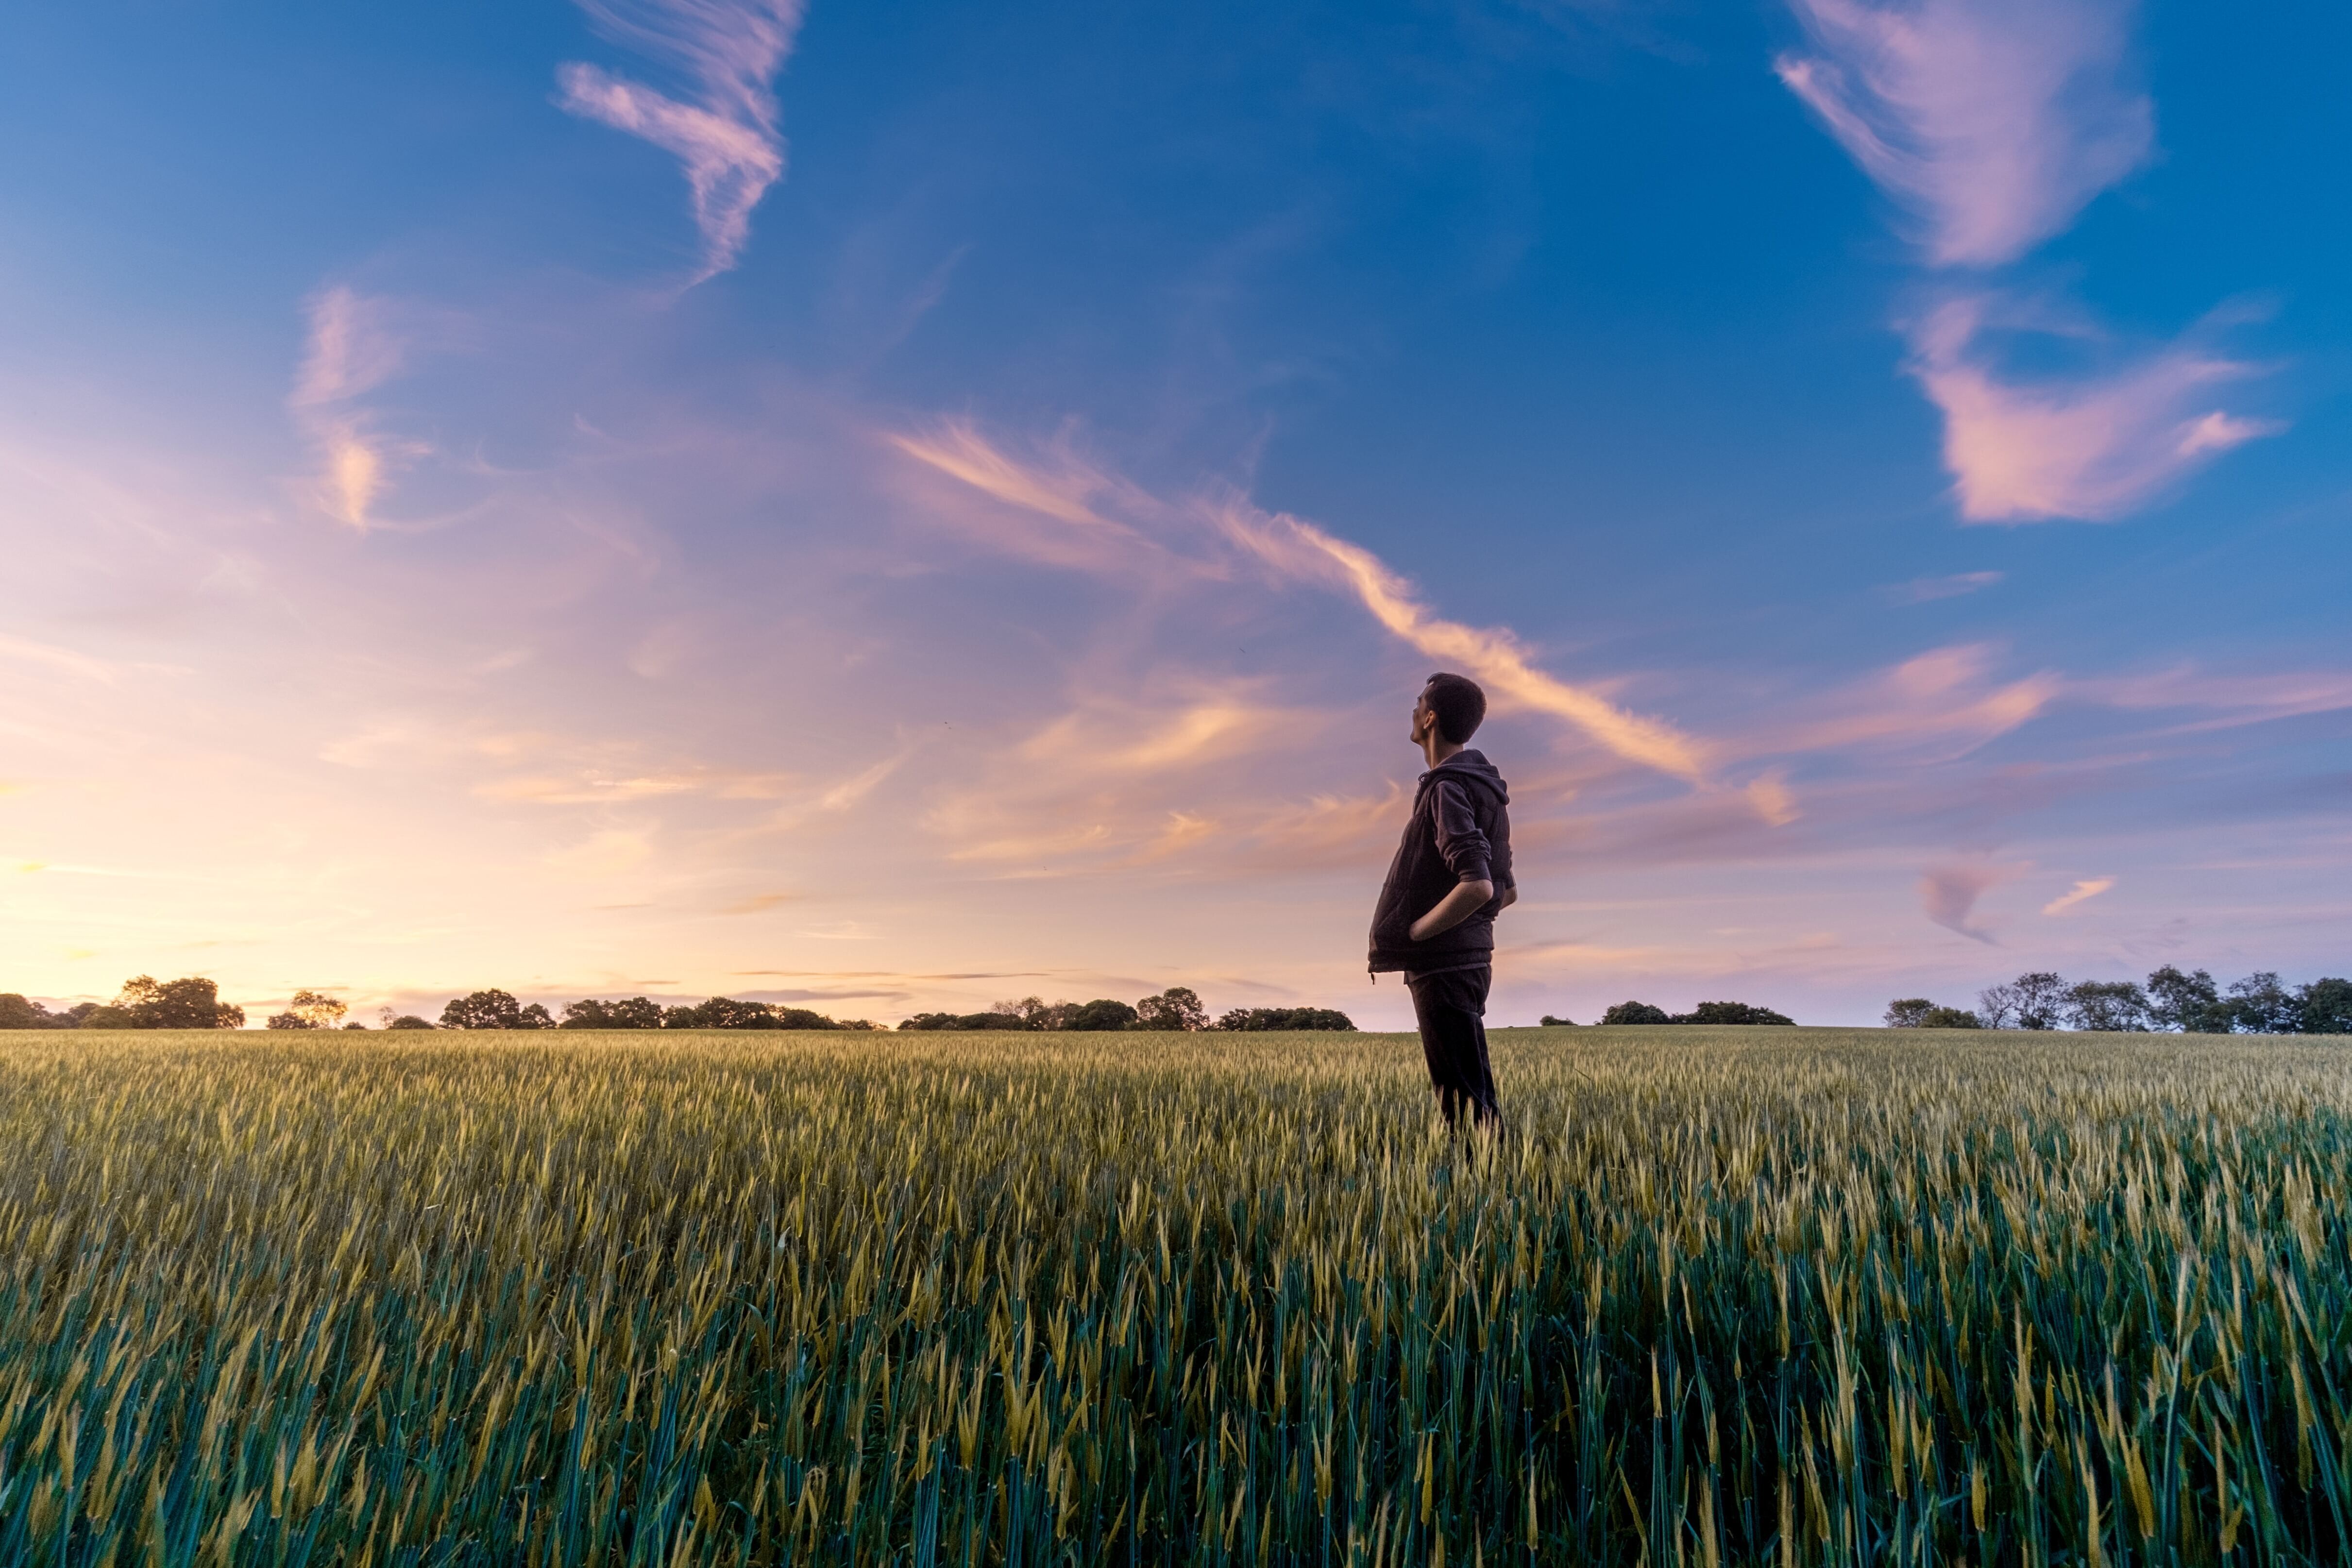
{"x": 1753, "y": 1296}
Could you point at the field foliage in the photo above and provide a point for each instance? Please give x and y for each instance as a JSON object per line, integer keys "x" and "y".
{"x": 1718, "y": 1296}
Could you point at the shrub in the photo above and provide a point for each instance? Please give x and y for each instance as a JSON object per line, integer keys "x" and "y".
{"x": 1551, "y": 1022}
{"x": 1951, "y": 1017}
{"x": 410, "y": 1021}
{"x": 1908, "y": 1012}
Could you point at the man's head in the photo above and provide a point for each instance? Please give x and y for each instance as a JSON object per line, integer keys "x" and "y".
{"x": 1450, "y": 707}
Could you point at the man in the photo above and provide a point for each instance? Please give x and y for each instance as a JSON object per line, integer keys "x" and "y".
{"x": 1435, "y": 920}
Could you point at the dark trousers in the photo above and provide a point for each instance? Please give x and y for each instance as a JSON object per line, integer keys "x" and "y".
{"x": 1451, "y": 1009}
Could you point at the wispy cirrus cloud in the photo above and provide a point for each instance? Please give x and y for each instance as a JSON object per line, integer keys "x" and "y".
{"x": 1992, "y": 122}
{"x": 1948, "y": 894}
{"x": 1492, "y": 653}
{"x": 1080, "y": 494}
{"x": 2093, "y": 446}
{"x": 2081, "y": 892}
{"x": 352, "y": 350}
{"x": 1926, "y": 589}
{"x": 726, "y": 139}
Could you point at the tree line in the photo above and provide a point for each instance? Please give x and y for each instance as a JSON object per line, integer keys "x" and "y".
{"x": 1705, "y": 1012}
{"x": 1177, "y": 1007}
{"x": 2168, "y": 1001}
{"x": 195, "y": 1003}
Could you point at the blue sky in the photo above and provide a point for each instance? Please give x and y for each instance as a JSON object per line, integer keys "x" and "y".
{"x": 1888, "y": 460}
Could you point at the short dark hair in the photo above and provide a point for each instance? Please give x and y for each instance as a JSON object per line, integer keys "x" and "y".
{"x": 1459, "y": 705}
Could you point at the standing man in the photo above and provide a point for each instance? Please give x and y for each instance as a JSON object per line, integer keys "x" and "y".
{"x": 1451, "y": 877}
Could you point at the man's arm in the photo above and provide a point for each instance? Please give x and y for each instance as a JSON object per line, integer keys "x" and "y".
{"x": 1467, "y": 899}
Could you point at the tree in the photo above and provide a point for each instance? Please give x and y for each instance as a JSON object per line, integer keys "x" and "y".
{"x": 801, "y": 1017}
{"x": 1731, "y": 1012}
{"x": 108, "y": 1017}
{"x": 2108, "y": 1006}
{"x": 2190, "y": 1003}
{"x": 2325, "y": 1005}
{"x": 1908, "y": 1012}
{"x": 1102, "y": 1013}
{"x": 1033, "y": 1013}
{"x": 492, "y": 1009}
{"x": 721, "y": 1012}
{"x": 310, "y": 1009}
{"x": 17, "y": 1012}
{"x": 1260, "y": 1021}
{"x": 409, "y": 1020}
{"x": 630, "y": 1012}
{"x": 1949, "y": 1018}
{"x": 190, "y": 1003}
{"x": 1551, "y": 1022}
{"x": 2260, "y": 1005}
{"x": 2037, "y": 1000}
{"x": 1177, "y": 1007}
{"x": 534, "y": 1017}
{"x": 1636, "y": 1012}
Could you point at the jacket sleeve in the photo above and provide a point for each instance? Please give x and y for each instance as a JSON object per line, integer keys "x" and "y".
{"x": 1459, "y": 838}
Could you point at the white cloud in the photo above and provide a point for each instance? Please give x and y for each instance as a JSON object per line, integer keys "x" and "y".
{"x": 1994, "y": 122}
{"x": 726, "y": 139}
{"x": 2093, "y": 445}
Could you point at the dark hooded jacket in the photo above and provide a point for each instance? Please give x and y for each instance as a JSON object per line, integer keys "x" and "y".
{"x": 1460, "y": 832}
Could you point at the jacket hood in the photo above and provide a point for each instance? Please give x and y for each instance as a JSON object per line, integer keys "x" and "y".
{"x": 1470, "y": 766}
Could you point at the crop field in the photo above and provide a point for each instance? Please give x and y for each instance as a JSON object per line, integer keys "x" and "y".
{"x": 1715, "y": 1296}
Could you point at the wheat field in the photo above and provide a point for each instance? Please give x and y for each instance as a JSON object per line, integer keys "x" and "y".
{"x": 1717, "y": 1296}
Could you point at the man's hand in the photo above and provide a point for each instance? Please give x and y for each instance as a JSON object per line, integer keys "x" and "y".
{"x": 1467, "y": 899}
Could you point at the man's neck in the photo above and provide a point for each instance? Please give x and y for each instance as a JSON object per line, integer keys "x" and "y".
{"x": 1437, "y": 749}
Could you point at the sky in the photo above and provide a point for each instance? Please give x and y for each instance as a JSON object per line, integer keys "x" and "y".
{"x": 892, "y": 508}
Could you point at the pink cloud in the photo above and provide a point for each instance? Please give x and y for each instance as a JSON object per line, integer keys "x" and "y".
{"x": 352, "y": 350}
{"x": 2092, "y": 446}
{"x": 1994, "y": 122}
{"x": 1948, "y": 894}
{"x": 1492, "y": 654}
{"x": 2081, "y": 892}
{"x": 727, "y": 139}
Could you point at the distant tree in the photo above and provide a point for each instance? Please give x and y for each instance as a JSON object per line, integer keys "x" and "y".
{"x": 322, "y": 1010}
{"x": 357, "y": 1025}
{"x": 1099, "y": 1014}
{"x": 1177, "y": 1007}
{"x": 969, "y": 1022}
{"x": 2260, "y": 1005}
{"x": 1636, "y": 1012}
{"x": 1551, "y": 1022}
{"x": 2190, "y": 1003}
{"x": 1261, "y": 1021}
{"x": 535, "y": 1016}
{"x": 1035, "y": 1012}
{"x": 1731, "y": 1012}
{"x": 1949, "y": 1018}
{"x": 929, "y": 1021}
{"x": 1908, "y": 1012}
{"x": 409, "y": 1020}
{"x": 801, "y": 1017}
{"x": 106, "y": 1016}
{"x": 190, "y": 1003}
{"x": 2036, "y": 1000}
{"x": 2324, "y": 1006}
{"x": 630, "y": 1012}
{"x": 289, "y": 1020}
{"x": 859, "y": 1023}
{"x": 75, "y": 1016}
{"x": 492, "y": 1009}
{"x": 721, "y": 1012}
{"x": 17, "y": 1012}
{"x": 2108, "y": 1006}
